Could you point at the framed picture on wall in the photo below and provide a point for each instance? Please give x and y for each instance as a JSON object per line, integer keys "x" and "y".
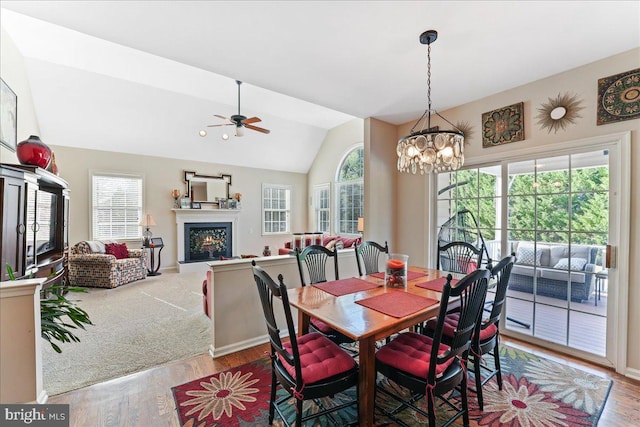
{"x": 8, "y": 116}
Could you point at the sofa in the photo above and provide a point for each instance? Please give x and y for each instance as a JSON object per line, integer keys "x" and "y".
{"x": 551, "y": 265}
{"x": 329, "y": 242}
{"x": 90, "y": 265}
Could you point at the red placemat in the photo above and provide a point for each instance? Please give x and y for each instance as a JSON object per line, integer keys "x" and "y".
{"x": 346, "y": 286}
{"x": 410, "y": 275}
{"x": 436, "y": 284}
{"x": 397, "y": 303}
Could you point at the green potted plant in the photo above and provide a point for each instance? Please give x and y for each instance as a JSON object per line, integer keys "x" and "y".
{"x": 59, "y": 316}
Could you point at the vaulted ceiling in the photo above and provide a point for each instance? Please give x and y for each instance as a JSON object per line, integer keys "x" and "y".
{"x": 146, "y": 76}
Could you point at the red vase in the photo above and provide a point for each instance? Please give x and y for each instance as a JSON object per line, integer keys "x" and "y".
{"x": 34, "y": 152}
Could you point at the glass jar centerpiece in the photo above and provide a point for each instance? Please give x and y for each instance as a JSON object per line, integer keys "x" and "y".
{"x": 395, "y": 275}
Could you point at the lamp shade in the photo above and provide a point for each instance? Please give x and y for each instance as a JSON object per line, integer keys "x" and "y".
{"x": 361, "y": 224}
{"x": 148, "y": 221}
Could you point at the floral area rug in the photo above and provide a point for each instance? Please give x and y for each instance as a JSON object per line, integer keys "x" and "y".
{"x": 536, "y": 392}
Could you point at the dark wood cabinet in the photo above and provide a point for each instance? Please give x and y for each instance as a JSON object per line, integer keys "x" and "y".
{"x": 35, "y": 218}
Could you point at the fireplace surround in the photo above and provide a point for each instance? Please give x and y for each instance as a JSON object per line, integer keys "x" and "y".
{"x": 199, "y": 219}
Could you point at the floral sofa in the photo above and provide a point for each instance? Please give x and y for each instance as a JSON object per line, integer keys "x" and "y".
{"x": 551, "y": 265}
{"x": 90, "y": 265}
{"x": 330, "y": 242}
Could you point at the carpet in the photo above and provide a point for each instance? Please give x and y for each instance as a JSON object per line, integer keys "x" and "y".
{"x": 137, "y": 326}
{"x": 536, "y": 392}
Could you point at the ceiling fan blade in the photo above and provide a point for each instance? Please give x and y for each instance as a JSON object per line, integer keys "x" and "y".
{"x": 257, "y": 128}
{"x": 223, "y": 124}
{"x": 251, "y": 120}
{"x": 222, "y": 117}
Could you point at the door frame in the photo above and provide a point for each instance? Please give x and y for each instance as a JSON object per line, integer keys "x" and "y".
{"x": 619, "y": 236}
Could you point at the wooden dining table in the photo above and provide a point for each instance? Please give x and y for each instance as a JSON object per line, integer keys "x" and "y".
{"x": 365, "y": 325}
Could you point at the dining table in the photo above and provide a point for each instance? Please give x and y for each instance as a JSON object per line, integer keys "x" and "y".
{"x": 365, "y": 310}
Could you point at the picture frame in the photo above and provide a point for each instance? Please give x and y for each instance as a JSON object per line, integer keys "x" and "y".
{"x": 8, "y": 116}
{"x": 618, "y": 97}
{"x": 503, "y": 126}
{"x": 196, "y": 205}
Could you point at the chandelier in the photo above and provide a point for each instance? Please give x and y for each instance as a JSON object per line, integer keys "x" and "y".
{"x": 430, "y": 149}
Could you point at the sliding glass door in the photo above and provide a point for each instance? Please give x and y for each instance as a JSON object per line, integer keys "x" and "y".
{"x": 553, "y": 213}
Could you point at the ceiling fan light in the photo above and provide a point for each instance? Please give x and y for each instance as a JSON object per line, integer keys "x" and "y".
{"x": 239, "y": 131}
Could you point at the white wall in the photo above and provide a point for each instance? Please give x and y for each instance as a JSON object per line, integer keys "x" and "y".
{"x": 13, "y": 72}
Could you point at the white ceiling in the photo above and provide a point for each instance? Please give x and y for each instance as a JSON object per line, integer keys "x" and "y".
{"x": 145, "y": 76}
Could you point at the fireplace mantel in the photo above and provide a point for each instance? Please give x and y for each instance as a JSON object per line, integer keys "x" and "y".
{"x": 202, "y": 216}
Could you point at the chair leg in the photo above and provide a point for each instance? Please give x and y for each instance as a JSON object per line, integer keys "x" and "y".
{"x": 272, "y": 398}
{"x": 298, "y": 411}
{"x": 478, "y": 377}
{"x": 431, "y": 400}
{"x": 465, "y": 403}
{"x": 496, "y": 358}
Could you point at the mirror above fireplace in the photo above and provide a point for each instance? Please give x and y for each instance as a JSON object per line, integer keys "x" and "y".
{"x": 207, "y": 188}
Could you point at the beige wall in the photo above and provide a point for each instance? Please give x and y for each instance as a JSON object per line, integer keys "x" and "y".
{"x": 161, "y": 176}
{"x": 412, "y": 190}
{"x": 13, "y": 72}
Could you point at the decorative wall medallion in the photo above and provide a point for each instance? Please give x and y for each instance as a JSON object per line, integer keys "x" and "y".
{"x": 466, "y": 129}
{"x": 559, "y": 112}
{"x": 503, "y": 125}
{"x": 619, "y": 97}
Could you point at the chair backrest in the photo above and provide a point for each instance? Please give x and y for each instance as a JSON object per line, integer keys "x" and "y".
{"x": 501, "y": 272}
{"x": 315, "y": 258}
{"x": 459, "y": 257}
{"x": 269, "y": 291}
{"x": 370, "y": 253}
{"x": 472, "y": 291}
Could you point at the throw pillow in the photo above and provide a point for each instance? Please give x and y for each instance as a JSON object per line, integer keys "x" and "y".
{"x": 119, "y": 250}
{"x": 528, "y": 256}
{"x": 576, "y": 264}
{"x": 348, "y": 243}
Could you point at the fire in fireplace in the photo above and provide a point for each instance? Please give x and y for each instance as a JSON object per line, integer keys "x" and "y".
{"x": 207, "y": 241}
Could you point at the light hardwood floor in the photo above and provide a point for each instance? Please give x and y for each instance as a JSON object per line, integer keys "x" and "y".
{"x": 145, "y": 399}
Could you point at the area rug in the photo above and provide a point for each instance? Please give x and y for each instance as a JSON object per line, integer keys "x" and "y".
{"x": 536, "y": 392}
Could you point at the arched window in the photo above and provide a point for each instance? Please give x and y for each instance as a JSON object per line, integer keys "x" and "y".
{"x": 350, "y": 192}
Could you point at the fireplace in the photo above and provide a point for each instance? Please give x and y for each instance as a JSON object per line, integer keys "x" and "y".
{"x": 207, "y": 241}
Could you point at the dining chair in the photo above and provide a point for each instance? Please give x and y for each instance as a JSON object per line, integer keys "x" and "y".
{"x": 428, "y": 367}
{"x": 314, "y": 259}
{"x": 486, "y": 341}
{"x": 459, "y": 257}
{"x": 370, "y": 252}
{"x": 308, "y": 367}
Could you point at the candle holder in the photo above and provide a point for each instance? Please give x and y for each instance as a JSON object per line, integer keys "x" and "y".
{"x": 395, "y": 275}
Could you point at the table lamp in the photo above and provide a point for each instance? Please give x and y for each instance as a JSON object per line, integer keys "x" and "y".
{"x": 147, "y": 221}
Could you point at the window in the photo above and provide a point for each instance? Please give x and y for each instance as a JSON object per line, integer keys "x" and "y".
{"x": 322, "y": 202}
{"x": 350, "y": 192}
{"x": 276, "y": 209}
{"x": 116, "y": 206}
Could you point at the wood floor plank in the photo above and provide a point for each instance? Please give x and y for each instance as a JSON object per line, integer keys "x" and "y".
{"x": 145, "y": 398}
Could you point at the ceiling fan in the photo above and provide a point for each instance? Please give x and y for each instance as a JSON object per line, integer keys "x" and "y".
{"x": 241, "y": 121}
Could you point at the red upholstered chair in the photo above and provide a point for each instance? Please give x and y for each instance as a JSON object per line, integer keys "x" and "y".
{"x": 307, "y": 367}
{"x": 206, "y": 291}
{"x": 487, "y": 340}
{"x": 425, "y": 365}
{"x": 314, "y": 259}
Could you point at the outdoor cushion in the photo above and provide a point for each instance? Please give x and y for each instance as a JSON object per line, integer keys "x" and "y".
{"x": 528, "y": 255}
{"x": 320, "y": 358}
{"x": 576, "y": 277}
{"x": 411, "y": 353}
{"x": 576, "y": 264}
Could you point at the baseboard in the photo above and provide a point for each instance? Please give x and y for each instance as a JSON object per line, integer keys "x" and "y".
{"x": 243, "y": 345}
{"x": 632, "y": 373}
{"x": 232, "y": 348}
